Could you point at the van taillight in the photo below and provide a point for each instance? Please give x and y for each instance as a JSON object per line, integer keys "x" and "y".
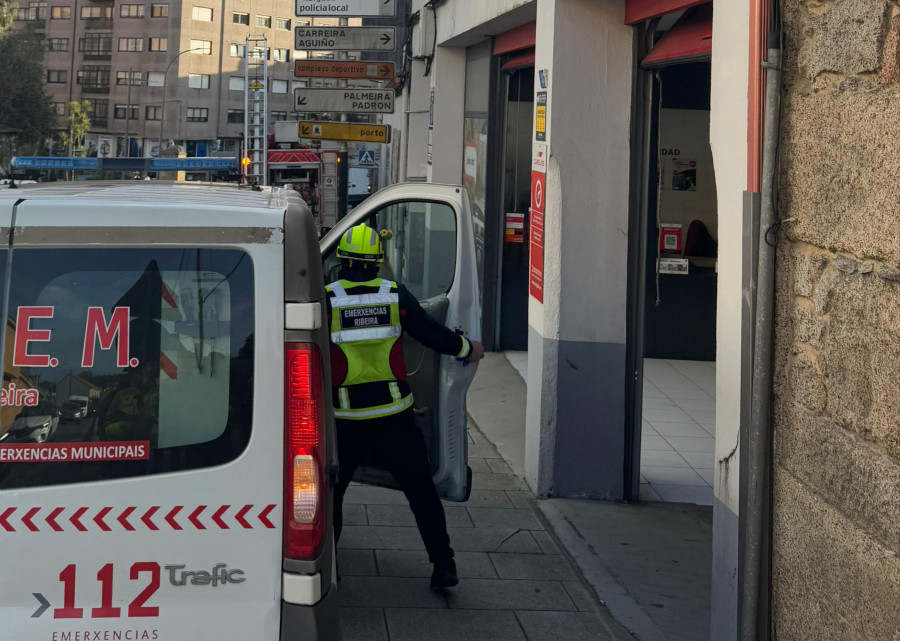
{"x": 304, "y": 474}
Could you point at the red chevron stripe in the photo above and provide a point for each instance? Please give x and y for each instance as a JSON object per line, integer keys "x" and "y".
{"x": 193, "y": 517}
{"x": 149, "y": 515}
{"x": 6, "y": 514}
{"x": 239, "y": 517}
{"x": 98, "y": 519}
{"x": 51, "y": 520}
{"x": 217, "y": 517}
{"x": 123, "y": 518}
{"x": 27, "y": 519}
{"x": 75, "y": 519}
{"x": 264, "y": 514}
{"x": 170, "y": 517}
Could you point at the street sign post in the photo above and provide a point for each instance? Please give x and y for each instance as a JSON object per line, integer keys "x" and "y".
{"x": 343, "y": 69}
{"x": 360, "y": 101}
{"x": 348, "y": 131}
{"x": 345, "y": 38}
{"x": 345, "y": 8}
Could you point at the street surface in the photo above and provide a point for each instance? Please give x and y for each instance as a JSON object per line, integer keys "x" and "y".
{"x": 515, "y": 585}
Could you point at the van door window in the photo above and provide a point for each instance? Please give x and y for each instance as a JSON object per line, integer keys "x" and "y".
{"x": 141, "y": 359}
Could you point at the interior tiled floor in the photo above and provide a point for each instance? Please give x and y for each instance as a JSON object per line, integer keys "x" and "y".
{"x": 678, "y": 431}
{"x": 678, "y": 428}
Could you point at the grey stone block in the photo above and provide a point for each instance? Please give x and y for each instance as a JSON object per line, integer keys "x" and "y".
{"x": 497, "y": 482}
{"x": 548, "y": 545}
{"x": 520, "y": 543}
{"x": 475, "y": 436}
{"x": 499, "y": 517}
{"x": 361, "y": 537}
{"x": 497, "y": 594}
{"x": 491, "y": 540}
{"x": 585, "y": 600}
{"x": 483, "y": 451}
{"x": 363, "y": 624}
{"x": 548, "y": 567}
{"x": 499, "y": 466}
{"x": 485, "y": 498}
{"x": 371, "y": 495}
{"x": 410, "y": 624}
{"x": 479, "y": 465}
{"x": 846, "y": 38}
{"x": 355, "y": 514}
{"x": 571, "y": 626}
{"x": 403, "y": 516}
{"x": 402, "y": 563}
{"x": 520, "y": 499}
{"x": 356, "y": 562}
{"x": 385, "y": 592}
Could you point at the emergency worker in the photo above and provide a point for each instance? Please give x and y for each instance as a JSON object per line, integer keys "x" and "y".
{"x": 373, "y": 403}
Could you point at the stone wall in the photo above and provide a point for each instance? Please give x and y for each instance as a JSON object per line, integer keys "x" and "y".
{"x": 836, "y": 573}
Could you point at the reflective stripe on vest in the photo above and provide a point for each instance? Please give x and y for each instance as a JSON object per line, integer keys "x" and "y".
{"x": 375, "y": 412}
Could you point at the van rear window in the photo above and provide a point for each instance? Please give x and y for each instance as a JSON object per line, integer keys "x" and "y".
{"x": 125, "y": 362}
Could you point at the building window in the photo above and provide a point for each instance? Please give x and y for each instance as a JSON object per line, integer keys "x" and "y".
{"x": 198, "y": 81}
{"x": 197, "y": 114}
{"x": 282, "y": 55}
{"x": 122, "y": 78}
{"x": 159, "y": 44}
{"x": 279, "y": 86}
{"x": 99, "y": 111}
{"x": 153, "y": 113}
{"x": 235, "y": 83}
{"x": 237, "y": 51}
{"x": 155, "y": 78}
{"x": 96, "y": 45}
{"x": 240, "y": 18}
{"x": 57, "y": 44}
{"x": 131, "y": 44}
{"x": 90, "y": 12}
{"x": 204, "y": 14}
{"x": 159, "y": 11}
{"x": 94, "y": 78}
{"x": 264, "y": 21}
{"x": 283, "y": 23}
{"x": 201, "y": 47}
{"x": 57, "y": 76}
{"x": 279, "y": 115}
{"x": 132, "y": 11}
{"x": 121, "y": 110}
{"x": 59, "y": 108}
{"x": 60, "y": 13}
{"x": 236, "y": 115}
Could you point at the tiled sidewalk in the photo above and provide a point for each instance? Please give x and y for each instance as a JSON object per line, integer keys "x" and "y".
{"x": 515, "y": 585}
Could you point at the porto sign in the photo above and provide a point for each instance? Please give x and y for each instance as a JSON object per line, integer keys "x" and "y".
{"x": 343, "y": 69}
{"x": 361, "y": 101}
{"x": 344, "y": 38}
{"x": 348, "y": 131}
{"x": 345, "y": 8}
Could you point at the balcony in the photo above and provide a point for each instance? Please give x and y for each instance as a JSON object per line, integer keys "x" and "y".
{"x": 98, "y": 55}
{"x": 98, "y": 23}
{"x": 94, "y": 88}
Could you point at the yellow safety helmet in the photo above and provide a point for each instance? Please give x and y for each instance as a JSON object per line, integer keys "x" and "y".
{"x": 361, "y": 243}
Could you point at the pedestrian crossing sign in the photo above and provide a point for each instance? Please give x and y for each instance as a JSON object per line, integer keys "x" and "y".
{"x": 366, "y": 158}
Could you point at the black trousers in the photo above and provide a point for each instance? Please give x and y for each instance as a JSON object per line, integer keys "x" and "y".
{"x": 396, "y": 444}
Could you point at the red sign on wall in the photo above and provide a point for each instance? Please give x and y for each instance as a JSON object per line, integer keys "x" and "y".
{"x": 538, "y": 191}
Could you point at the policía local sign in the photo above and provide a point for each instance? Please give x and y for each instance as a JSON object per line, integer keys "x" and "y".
{"x": 343, "y": 69}
{"x": 349, "y": 131}
{"x": 361, "y": 101}
{"x": 345, "y": 8}
{"x": 345, "y": 38}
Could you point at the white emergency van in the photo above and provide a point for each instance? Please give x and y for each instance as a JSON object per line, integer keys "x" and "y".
{"x": 195, "y": 497}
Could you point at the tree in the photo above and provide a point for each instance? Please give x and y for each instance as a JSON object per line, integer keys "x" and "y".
{"x": 26, "y": 111}
{"x": 79, "y": 121}
{"x": 6, "y": 14}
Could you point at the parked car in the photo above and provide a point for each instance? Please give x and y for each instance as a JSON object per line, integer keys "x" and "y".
{"x": 74, "y": 409}
{"x": 36, "y": 424}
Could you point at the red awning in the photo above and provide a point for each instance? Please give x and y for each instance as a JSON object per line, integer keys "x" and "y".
{"x": 522, "y": 37}
{"x": 524, "y": 59}
{"x": 689, "y": 40}
{"x": 640, "y": 10}
{"x": 292, "y": 157}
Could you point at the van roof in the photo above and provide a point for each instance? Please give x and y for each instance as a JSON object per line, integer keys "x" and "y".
{"x": 152, "y": 192}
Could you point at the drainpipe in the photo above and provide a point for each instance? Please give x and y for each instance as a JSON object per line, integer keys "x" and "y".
{"x": 756, "y": 602}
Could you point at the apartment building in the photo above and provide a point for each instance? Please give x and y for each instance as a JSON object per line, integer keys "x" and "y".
{"x": 154, "y": 71}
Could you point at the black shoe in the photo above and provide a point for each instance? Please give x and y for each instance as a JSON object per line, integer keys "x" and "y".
{"x": 444, "y": 575}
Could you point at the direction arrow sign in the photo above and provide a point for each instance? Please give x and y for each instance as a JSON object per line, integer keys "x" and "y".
{"x": 349, "y": 131}
{"x": 360, "y": 101}
{"x": 345, "y": 8}
{"x": 342, "y": 69}
{"x": 345, "y": 38}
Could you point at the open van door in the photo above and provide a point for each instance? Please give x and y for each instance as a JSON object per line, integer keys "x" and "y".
{"x": 429, "y": 247}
